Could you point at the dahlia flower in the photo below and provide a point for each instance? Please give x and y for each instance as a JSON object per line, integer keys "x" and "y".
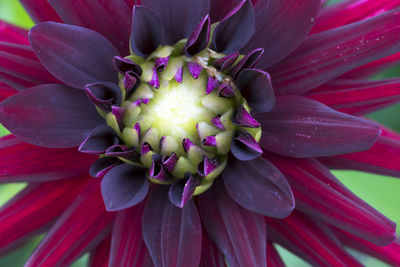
{"x": 197, "y": 133}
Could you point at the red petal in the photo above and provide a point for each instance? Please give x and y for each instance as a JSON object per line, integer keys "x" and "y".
{"x": 34, "y": 208}
{"x": 357, "y": 95}
{"x": 327, "y": 55}
{"x": 131, "y": 3}
{"x": 127, "y": 245}
{"x": 211, "y": 256}
{"x": 389, "y": 253}
{"x": 273, "y": 258}
{"x": 305, "y": 238}
{"x": 382, "y": 158}
{"x": 84, "y": 224}
{"x": 40, "y": 10}
{"x": 350, "y": 11}
{"x": 100, "y": 256}
{"x": 322, "y": 196}
{"x": 13, "y": 34}
{"x": 22, "y": 162}
{"x": 6, "y": 91}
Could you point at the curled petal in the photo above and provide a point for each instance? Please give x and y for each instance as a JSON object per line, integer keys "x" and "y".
{"x": 199, "y": 39}
{"x": 101, "y": 166}
{"x": 244, "y": 147}
{"x": 99, "y": 140}
{"x": 182, "y": 190}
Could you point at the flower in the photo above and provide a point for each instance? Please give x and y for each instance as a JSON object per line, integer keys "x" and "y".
{"x": 209, "y": 127}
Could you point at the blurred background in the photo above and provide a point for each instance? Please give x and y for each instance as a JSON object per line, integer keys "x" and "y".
{"x": 381, "y": 192}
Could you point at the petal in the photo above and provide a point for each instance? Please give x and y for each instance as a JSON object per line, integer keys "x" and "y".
{"x": 273, "y": 258}
{"x": 260, "y": 187}
{"x": 128, "y": 247}
{"x": 39, "y": 115}
{"x": 256, "y": 88}
{"x": 219, "y": 9}
{"x": 301, "y": 127}
{"x": 99, "y": 140}
{"x": 182, "y": 190}
{"x": 69, "y": 237}
{"x": 13, "y": 34}
{"x": 179, "y": 17}
{"x": 199, "y": 39}
{"x": 306, "y": 239}
{"x": 233, "y": 32}
{"x": 248, "y": 61}
{"x": 100, "y": 256}
{"x": 6, "y": 91}
{"x": 172, "y": 235}
{"x": 347, "y": 12}
{"x": 357, "y": 96}
{"x": 40, "y": 10}
{"x": 244, "y": 147}
{"x": 101, "y": 166}
{"x": 279, "y": 37}
{"x": 22, "y": 162}
{"x": 211, "y": 256}
{"x": 383, "y": 158}
{"x": 239, "y": 233}
{"x": 146, "y": 31}
{"x": 124, "y": 186}
{"x": 329, "y": 54}
{"x": 74, "y": 55}
{"x": 99, "y": 16}
{"x": 321, "y": 196}
{"x": 34, "y": 209}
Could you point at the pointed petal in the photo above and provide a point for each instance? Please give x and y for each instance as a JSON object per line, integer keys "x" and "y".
{"x": 236, "y": 29}
{"x": 179, "y": 17}
{"x": 182, "y": 190}
{"x": 172, "y": 235}
{"x": 279, "y": 37}
{"x": 317, "y": 197}
{"x": 128, "y": 247}
{"x": 211, "y": 256}
{"x": 329, "y": 54}
{"x": 297, "y": 232}
{"x": 33, "y": 209}
{"x": 104, "y": 94}
{"x": 124, "y": 186}
{"x": 260, "y": 187}
{"x": 199, "y": 39}
{"x": 74, "y": 55}
{"x": 301, "y": 127}
{"x": 6, "y": 91}
{"x": 39, "y": 115}
{"x": 99, "y": 16}
{"x": 69, "y": 237}
{"x": 40, "y": 10}
{"x": 248, "y": 61}
{"x": 99, "y": 140}
{"x": 239, "y": 233}
{"x": 244, "y": 147}
{"x": 219, "y": 9}
{"x": 256, "y": 87}
{"x": 100, "y": 167}
{"x": 100, "y": 256}
{"x": 356, "y": 96}
{"x": 22, "y": 162}
{"x": 13, "y": 34}
{"x": 383, "y": 157}
{"x": 273, "y": 258}
{"x": 243, "y": 118}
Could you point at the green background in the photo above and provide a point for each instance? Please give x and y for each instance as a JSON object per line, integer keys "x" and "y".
{"x": 381, "y": 192}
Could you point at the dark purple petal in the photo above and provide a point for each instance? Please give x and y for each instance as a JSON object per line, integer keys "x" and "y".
{"x": 104, "y": 94}
{"x": 124, "y": 65}
{"x": 124, "y": 186}
{"x": 97, "y": 142}
{"x": 216, "y": 121}
{"x": 199, "y": 39}
{"x": 232, "y": 33}
{"x": 124, "y": 152}
{"x": 244, "y": 119}
{"x": 172, "y": 235}
{"x": 194, "y": 69}
{"x": 50, "y": 115}
{"x": 212, "y": 83}
{"x": 74, "y": 55}
{"x": 101, "y": 166}
{"x": 157, "y": 170}
{"x": 225, "y": 90}
{"x": 179, "y": 17}
{"x": 244, "y": 147}
{"x": 169, "y": 162}
{"x": 256, "y": 88}
{"x": 131, "y": 81}
{"x": 226, "y": 62}
{"x": 161, "y": 63}
{"x": 220, "y": 9}
{"x": 248, "y": 62}
{"x": 301, "y": 127}
{"x": 259, "y": 186}
{"x": 147, "y": 31}
{"x": 238, "y": 233}
{"x": 278, "y": 36}
{"x": 182, "y": 190}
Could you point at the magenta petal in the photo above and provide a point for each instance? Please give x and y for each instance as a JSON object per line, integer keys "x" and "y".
{"x": 179, "y": 17}
{"x": 40, "y": 10}
{"x": 39, "y": 115}
{"x": 99, "y": 16}
{"x": 194, "y": 69}
{"x": 74, "y": 55}
{"x": 13, "y": 34}
{"x": 219, "y": 9}
{"x": 259, "y": 186}
{"x": 124, "y": 186}
{"x": 100, "y": 256}
{"x": 329, "y": 54}
{"x": 301, "y": 127}
{"x": 236, "y": 29}
{"x": 244, "y": 119}
{"x": 199, "y": 39}
{"x": 239, "y": 233}
{"x": 278, "y": 36}
{"x": 172, "y": 235}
